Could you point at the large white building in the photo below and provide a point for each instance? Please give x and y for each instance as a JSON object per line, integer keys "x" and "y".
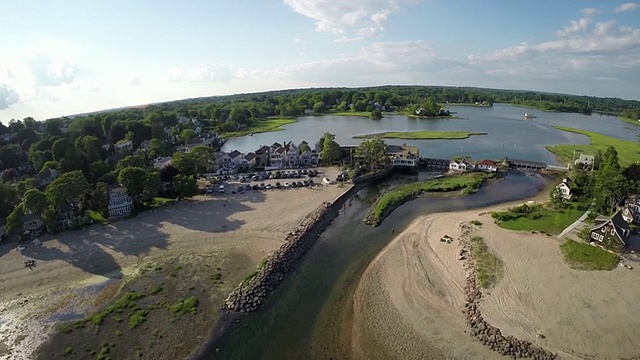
{"x": 120, "y": 203}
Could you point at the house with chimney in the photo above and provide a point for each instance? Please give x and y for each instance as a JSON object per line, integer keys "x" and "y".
{"x": 123, "y": 145}
{"x": 612, "y": 234}
{"x": 565, "y": 188}
{"x": 262, "y": 157}
{"x": 247, "y": 162}
{"x": 403, "y": 156}
{"x": 277, "y": 157}
{"x": 292, "y": 155}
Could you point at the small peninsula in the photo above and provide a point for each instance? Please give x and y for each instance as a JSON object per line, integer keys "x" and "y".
{"x": 422, "y": 135}
{"x": 627, "y": 150}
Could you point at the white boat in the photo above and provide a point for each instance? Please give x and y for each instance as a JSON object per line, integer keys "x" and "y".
{"x": 529, "y": 116}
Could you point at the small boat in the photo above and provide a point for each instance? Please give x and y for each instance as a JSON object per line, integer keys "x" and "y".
{"x": 529, "y": 116}
{"x": 250, "y": 134}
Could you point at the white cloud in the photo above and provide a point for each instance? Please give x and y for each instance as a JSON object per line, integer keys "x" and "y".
{"x": 627, "y": 7}
{"x": 349, "y": 19}
{"x": 134, "y": 82}
{"x": 207, "y": 73}
{"x": 575, "y": 27}
{"x": 8, "y": 96}
{"x": 590, "y": 12}
{"x": 299, "y": 41}
{"x": 47, "y": 71}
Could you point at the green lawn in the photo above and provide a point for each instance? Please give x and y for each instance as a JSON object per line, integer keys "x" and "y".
{"x": 262, "y": 126}
{"x": 628, "y": 151}
{"x": 422, "y": 135}
{"x": 467, "y": 182}
{"x": 583, "y": 256}
{"x": 96, "y": 216}
{"x": 161, "y": 201}
{"x": 540, "y": 218}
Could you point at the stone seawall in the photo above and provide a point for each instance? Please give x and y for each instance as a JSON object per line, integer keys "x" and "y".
{"x": 251, "y": 295}
{"x": 487, "y": 334}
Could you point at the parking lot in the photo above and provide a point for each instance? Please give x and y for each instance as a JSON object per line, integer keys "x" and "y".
{"x": 272, "y": 180}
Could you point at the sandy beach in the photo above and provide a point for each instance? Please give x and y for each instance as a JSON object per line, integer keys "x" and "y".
{"x": 75, "y": 268}
{"x": 408, "y": 302}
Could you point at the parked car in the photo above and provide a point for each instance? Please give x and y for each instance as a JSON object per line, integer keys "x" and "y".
{"x": 278, "y": 186}
{"x": 221, "y": 189}
{"x": 247, "y": 187}
{"x": 300, "y": 184}
{"x": 255, "y": 187}
{"x": 262, "y": 186}
{"x": 286, "y": 185}
{"x": 269, "y": 187}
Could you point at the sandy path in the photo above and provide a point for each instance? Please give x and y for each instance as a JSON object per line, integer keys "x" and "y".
{"x": 408, "y": 303}
{"x": 253, "y": 225}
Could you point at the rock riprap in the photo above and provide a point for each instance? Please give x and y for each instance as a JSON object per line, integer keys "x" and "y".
{"x": 487, "y": 334}
{"x": 249, "y": 296}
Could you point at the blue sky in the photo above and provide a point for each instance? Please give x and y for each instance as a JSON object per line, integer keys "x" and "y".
{"x": 65, "y": 57}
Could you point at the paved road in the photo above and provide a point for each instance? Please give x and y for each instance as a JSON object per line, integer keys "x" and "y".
{"x": 575, "y": 223}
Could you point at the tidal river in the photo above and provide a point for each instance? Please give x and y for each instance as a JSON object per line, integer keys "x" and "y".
{"x": 308, "y": 315}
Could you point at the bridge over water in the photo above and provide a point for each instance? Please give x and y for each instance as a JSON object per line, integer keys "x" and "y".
{"x": 525, "y": 165}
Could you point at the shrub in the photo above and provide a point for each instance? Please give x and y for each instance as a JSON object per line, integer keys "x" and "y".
{"x": 183, "y": 306}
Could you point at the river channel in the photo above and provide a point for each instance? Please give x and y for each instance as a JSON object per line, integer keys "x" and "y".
{"x": 504, "y": 124}
{"x": 308, "y": 314}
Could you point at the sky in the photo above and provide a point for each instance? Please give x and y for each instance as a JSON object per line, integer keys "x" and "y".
{"x": 64, "y": 57}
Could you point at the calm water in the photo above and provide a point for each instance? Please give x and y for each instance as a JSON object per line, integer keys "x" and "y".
{"x": 523, "y": 139}
{"x": 303, "y": 318}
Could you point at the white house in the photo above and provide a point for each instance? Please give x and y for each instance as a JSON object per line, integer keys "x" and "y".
{"x": 162, "y": 162}
{"x": 309, "y": 158}
{"x": 32, "y": 223}
{"x": 487, "y": 165}
{"x": 403, "y": 156}
{"x": 277, "y": 158}
{"x": 120, "y": 203}
{"x": 565, "y": 188}
{"x": 47, "y": 177}
{"x": 123, "y": 145}
{"x": 292, "y": 155}
{"x": 584, "y": 159}
{"x": 457, "y": 165}
{"x": 145, "y": 145}
{"x": 247, "y": 161}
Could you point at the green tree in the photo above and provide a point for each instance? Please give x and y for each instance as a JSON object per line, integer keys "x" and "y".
{"x": 373, "y": 152}
{"x": 331, "y": 151}
{"x": 187, "y": 164}
{"x": 26, "y": 184}
{"x": 304, "y": 147}
{"x": 35, "y": 201}
{"x": 60, "y": 148}
{"x": 376, "y": 114}
{"x": 204, "y": 157}
{"x": 134, "y": 160}
{"x": 186, "y": 135}
{"x": 133, "y": 180}
{"x": 319, "y": 107}
{"x": 610, "y": 184}
{"x": 185, "y": 185}
{"x": 10, "y": 155}
{"x": 97, "y": 170}
{"x": 152, "y": 184}
{"x": 15, "y": 221}
{"x": 91, "y": 147}
{"x": 556, "y": 196}
{"x": 156, "y": 148}
{"x": 69, "y": 187}
{"x": 8, "y": 199}
{"x": 99, "y": 199}
{"x": 53, "y": 127}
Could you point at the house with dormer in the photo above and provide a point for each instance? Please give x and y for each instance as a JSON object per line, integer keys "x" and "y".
{"x": 292, "y": 155}
{"x": 277, "y": 157}
{"x": 47, "y": 176}
{"x": 565, "y": 188}
{"x": 457, "y": 165}
{"x": 612, "y": 234}
{"x": 247, "y": 162}
{"x": 262, "y": 156}
{"x": 403, "y": 156}
{"x": 32, "y": 224}
{"x": 309, "y": 158}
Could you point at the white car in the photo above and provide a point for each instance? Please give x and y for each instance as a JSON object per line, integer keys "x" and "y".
{"x": 326, "y": 180}
{"x": 221, "y": 189}
{"x": 287, "y": 185}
